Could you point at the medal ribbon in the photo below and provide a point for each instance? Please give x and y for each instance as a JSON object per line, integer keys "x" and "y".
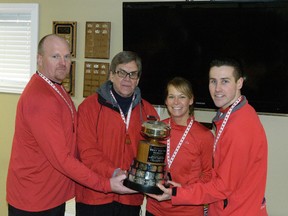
{"x": 59, "y": 93}
{"x": 170, "y": 160}
{"x": 225, "y": 122}
{"x": 127, "y": 120}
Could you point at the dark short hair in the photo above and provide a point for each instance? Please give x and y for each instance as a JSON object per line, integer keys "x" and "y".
{"x": 125, "y": 57}
{"x": 226, "y": 61}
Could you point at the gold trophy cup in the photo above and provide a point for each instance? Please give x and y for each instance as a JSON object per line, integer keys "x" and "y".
{"x": 148, "y": 168}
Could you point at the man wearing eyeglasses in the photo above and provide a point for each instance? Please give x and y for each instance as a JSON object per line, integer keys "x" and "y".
{"x": 109, "y": 125}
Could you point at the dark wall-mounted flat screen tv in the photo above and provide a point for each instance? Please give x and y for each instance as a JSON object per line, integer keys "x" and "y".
{"x": 181, "y": 38}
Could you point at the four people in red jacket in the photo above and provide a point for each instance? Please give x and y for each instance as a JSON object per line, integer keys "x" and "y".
{"x": 238, "y": 183}
{"x": 43, "y": 167}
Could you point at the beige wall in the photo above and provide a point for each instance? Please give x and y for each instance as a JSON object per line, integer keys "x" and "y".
{"x": 111, "y": 10}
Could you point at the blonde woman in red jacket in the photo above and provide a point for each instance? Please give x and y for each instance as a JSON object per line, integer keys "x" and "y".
{"x": 189, "y": 149}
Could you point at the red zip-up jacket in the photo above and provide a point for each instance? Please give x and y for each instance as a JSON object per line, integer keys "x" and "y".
{"x": 193, "y": 163}
{"x": 43, "y": 168}
{"x": 102, "y": 147}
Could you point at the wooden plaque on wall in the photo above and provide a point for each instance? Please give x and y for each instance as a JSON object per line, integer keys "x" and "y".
{"x": 67, "y": 30}
{"x": 95, "y": 73}
{"x": 97, "y": 40}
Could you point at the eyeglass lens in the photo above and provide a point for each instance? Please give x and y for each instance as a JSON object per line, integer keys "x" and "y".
{"x": 123, "y": 74}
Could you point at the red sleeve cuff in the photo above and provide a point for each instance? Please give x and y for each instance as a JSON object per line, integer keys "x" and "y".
{"x": 107, "y": 186}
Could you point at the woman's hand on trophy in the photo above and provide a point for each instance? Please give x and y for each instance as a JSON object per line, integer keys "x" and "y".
{"x": 117, "y": 185}
{"x": 167, "y": 192}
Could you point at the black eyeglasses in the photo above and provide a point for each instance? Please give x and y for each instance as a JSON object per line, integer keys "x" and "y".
{"x": 123, "y": 74}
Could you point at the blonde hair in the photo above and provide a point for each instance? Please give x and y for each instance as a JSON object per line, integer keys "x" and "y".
{"x": 184, "y": 86}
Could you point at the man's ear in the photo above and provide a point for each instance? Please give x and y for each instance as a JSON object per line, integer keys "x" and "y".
{"x": 39, "y": 60}
{"x": 240, "y": 83}
{"x": 111, "y": 75}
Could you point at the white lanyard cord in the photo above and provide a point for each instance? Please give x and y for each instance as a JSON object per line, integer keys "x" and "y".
{"x": 170, "y": 160}
{"x": 127, "y": 120}
{"x": 59, "y": 93}
{"x": 225, "y": 122}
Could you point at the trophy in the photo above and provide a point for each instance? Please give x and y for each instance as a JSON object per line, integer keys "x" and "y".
{"x": 148, "y": 168}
